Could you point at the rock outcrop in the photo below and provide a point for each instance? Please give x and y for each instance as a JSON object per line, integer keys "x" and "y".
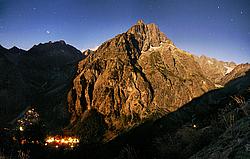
{"x": 135, "y": 76}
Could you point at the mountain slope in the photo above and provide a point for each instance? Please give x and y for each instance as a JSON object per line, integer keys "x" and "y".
{"x": 49, "y": 70}
{"x": 13, "y": 89}
{"x": 238, "y": 71}
{"x": 214, "y": 125}
{"x": 134, "y": 76}
{"x": 206, "y": 121}
{"x": 214, "y": 69}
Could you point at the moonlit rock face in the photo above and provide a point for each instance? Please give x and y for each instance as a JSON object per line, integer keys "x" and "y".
{"x": 149, "y": 33}
{"x": 134, "y": 75}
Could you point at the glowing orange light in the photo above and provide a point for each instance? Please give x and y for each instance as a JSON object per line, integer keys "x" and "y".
{"x": 66, "y": 141}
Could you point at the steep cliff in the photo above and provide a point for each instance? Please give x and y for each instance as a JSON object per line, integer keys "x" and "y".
{"x": 214, "y": 125}
{"x": 136, "y": 75}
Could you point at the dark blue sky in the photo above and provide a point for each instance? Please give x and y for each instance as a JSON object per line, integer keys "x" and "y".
{"x": 216, "y": 28}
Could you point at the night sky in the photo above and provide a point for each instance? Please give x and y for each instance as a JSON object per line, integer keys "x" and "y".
{"x": 216, "y": 28}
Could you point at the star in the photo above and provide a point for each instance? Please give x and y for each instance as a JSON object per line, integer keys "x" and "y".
{"x": 218, "y": 7}
{"x": 241, "y": 12}
{"x": 47, "y": 31}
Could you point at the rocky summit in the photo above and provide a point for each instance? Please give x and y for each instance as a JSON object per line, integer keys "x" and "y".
{"x": 135, "y": 76}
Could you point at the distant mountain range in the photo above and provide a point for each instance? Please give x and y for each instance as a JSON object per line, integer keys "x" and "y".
{"x": 137, "y": 77}
{"x": 40, "y": 77}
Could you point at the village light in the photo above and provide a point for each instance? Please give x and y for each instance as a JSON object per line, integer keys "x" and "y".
{"x": 21, "y": 128}
{"x": 58, "y": 141}
{"x": 50, "y": 139}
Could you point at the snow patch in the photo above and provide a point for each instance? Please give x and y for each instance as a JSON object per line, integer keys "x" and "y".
{"x": 210, "y": 62}
{"x": 229, "y": 69}
{"x": 94, "y": 48}
{"x": 152, "y": 48}
{"x": 218, "y": 86}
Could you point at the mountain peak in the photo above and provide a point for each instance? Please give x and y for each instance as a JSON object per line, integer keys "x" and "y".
{"x": 148, "y": 34}
{"x": 14, "y": 49}
{"x": 121, "y": 79}
{"x": 139, "y": 22}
